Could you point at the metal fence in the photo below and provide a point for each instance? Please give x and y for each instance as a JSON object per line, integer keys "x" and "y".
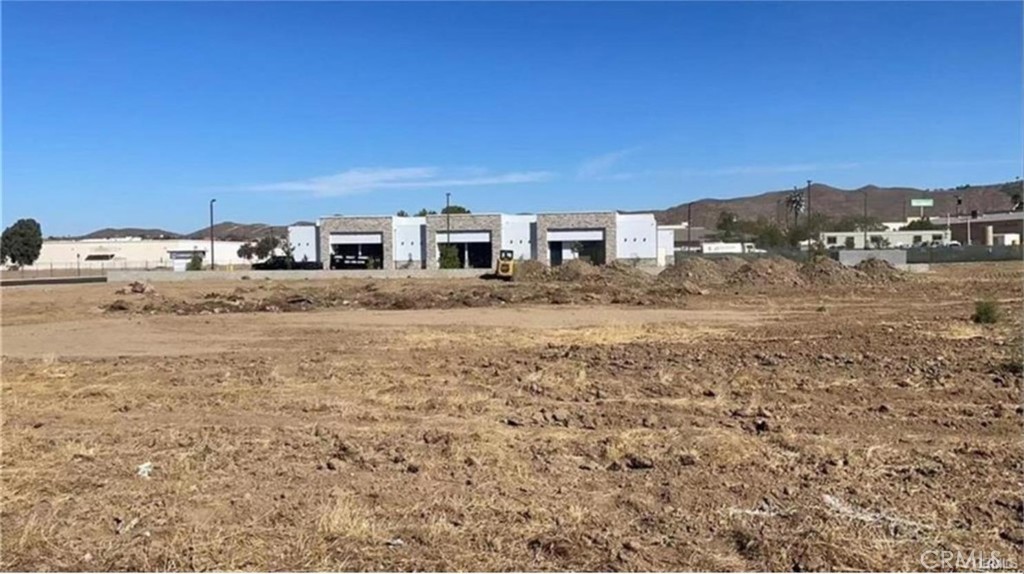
{"x": 84, "y": 268}
{"x": 965, "y": 254}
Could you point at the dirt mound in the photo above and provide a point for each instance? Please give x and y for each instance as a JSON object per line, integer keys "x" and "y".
{"x": 729, "y": 264}
{"x": 693, "y": 269}
{"x": 575, "y": 270}
{"x": 530, "y": 271}
{"x": 767, "y": 271}
{"x": 618, "y": 271}
{"x": 827, "y": 271}
{"x": 606, "y": 286}
{"x": 137, "y": 287}
{"x": 879, "y": 270}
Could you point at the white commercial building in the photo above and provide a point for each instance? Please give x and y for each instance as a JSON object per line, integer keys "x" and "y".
{"x": 133, "y": 253}
{"x": 394, "y": 242}
{"x": 882, "y": 239}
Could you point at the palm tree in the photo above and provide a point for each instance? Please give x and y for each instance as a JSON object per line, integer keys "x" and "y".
{"x": 795, "y": 204}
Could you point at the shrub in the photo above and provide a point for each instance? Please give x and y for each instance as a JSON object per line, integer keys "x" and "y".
{"x": 449, "y": 257}
{"x": 986, "y": 312}
{"x": 195, "y": 264}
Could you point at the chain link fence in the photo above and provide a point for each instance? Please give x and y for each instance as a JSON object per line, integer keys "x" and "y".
{"x": 80, "y": 269}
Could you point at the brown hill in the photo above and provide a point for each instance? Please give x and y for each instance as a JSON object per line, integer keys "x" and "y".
{"x": 110, "y": 232}
{"x": 884, "y": 203}
{"x": 231, "y": 231}
{"x": 225, "y": 231}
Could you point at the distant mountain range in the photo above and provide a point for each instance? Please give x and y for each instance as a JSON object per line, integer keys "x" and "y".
{"x": 884, "y": 203}
{"x": 224, "y": 231}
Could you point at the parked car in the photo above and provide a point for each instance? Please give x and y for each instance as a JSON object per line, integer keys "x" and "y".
{"x": 279, "y": 262}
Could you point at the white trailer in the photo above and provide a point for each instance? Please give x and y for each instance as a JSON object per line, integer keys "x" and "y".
{"x": 724, "y": 248}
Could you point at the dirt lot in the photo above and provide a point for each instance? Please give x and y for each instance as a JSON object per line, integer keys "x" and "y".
{"x": 785, "y": 419}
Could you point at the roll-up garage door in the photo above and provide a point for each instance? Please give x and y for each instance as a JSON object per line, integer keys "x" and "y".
{"x": 575, "y": 235}
{"x": 357, "y": 238}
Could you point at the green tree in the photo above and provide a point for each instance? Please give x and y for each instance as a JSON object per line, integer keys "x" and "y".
{"x": 195, "y": 263}
{"x": 449, "y": 258}
{"x": 921, "y": 225}
{"x": 425, "y": 212}
{"x": 770, "y": 235}
{"x": 728, "y": 226}
{"x": 857, "y": 223}
{"x": 402, "y": 213}
{"x": 246, "y": 251}
{"x": 265, "y": 247}
{"x": 453, "y": 209}
{"x": 289, "y": 253}
{"x": 21, "y": 242}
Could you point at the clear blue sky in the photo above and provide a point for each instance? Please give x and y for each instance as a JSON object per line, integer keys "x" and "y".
{"x": 118, "y": 114}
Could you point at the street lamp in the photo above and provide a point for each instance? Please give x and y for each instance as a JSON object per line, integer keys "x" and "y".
{"x": 212, "y": 264}
{"x": 689, "y": 224}
{"x": 864, "y": 222}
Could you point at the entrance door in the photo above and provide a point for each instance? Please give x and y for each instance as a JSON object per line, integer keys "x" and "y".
{"x": 555, "y": 253}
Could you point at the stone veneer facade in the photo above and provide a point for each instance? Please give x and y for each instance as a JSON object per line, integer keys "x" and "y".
{"x": 462, "y": 222}
{"x": 380, "y": 225}
{"x": 564, "y": 221}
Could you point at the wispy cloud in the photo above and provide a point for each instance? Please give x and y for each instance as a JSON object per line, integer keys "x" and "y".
{"x": 369, "y": 179}
{"x": 600, "y": 167}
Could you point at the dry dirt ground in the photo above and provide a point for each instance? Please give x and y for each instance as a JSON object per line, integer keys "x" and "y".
{"x": 756, "y": 427}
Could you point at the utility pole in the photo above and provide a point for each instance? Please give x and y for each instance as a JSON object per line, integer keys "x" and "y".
{"x": 447, "y": 220}
{"x": 689, "y": 224}
{"x": 864, "y": 222}
{"x": 212, "y": 264}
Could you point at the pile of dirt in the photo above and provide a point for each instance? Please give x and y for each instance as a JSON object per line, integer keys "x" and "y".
{"x": 625, "y": 272}
{"x": 768, "y": 271}
{"x": 729, "y": 264}
{"x": 574, "y": 271}
{"x": 605, "y": 287}
{"x": 138, "y": 288}
{"x": 696, "y": 270}
{"x": 827, "y": 271}
{"x": 880, "y": 271}
{"x": 530, "y": 270}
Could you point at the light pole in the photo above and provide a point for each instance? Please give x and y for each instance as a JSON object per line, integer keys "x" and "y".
{"x": 447, "y": 220}
{"x": 864, "y": 222}
{"x": 212, "y": 264}
{"x": 689, "y": 224}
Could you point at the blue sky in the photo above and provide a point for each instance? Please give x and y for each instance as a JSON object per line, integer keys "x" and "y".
{"x": 118, "y": 114}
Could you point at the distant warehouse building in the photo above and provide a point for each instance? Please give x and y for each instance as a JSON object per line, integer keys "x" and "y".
{"x": 133, "y": 253}
{"x": 394, "y": 242}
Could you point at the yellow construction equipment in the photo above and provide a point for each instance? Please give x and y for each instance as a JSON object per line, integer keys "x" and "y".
{"x": 506, "y": 265}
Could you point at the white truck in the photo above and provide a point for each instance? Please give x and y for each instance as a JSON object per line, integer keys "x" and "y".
{"x": 724, "y": 248}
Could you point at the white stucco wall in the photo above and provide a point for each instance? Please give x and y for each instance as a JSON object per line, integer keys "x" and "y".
{"x": 303, "y": 239}
{"x": 409, "y": 239}
{"x": 636, "y": 236}
{"x": 130, "y": 253}
{"x": 518, "y": 234}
